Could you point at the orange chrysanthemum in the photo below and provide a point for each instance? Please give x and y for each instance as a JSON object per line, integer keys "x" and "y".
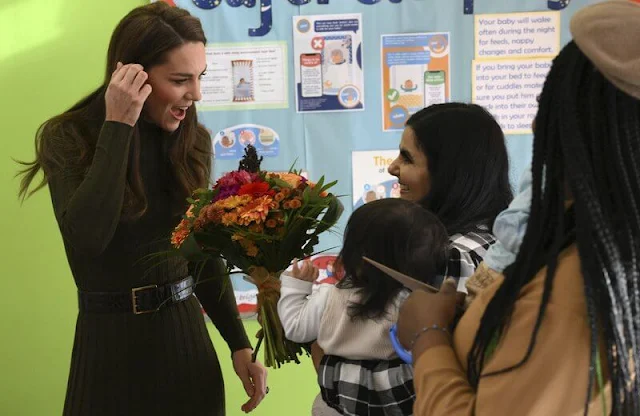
{"x": 230, "y": 218}
{"x": 295, "y": 203}
{"x": 214, "y": 215}
{"x": 249, "y": 247}
{"x": 271, "y": 223}
{"x": 291, "y": 178}
{"x": 255, "y": 212}
{"x": 180, "y": 234}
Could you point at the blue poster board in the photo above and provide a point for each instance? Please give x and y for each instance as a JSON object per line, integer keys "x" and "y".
{"x": 322, "y": 142}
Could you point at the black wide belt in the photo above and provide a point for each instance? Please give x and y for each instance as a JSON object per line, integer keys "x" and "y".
{"x": 139, "y": 300}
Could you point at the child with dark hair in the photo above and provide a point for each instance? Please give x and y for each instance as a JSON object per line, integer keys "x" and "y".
{"x": 351, "y": 321}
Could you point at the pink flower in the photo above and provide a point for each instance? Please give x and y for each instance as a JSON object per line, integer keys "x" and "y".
{"x": 235, "y": 178}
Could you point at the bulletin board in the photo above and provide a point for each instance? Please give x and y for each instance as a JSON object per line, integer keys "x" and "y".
{"x": 329, "y": 83}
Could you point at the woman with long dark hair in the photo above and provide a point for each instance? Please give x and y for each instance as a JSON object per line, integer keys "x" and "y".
{"x": 453, "y": 161}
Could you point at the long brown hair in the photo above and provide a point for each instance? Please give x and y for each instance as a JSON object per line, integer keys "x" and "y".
{"x": 67, "y": 141}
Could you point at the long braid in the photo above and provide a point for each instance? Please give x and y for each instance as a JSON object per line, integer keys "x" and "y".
{"x": 572, "y": 127}
{"x": 630, "y": 140}
{"x": 597, "y": 129}
{"x": 629, "y": 293}
{"x": 587, "y": 136}
{"x": 629, "y": 151}
{"x": 534, "y": 242}
{"x": 613, "y": 368}
{"x": 593, "y": 350}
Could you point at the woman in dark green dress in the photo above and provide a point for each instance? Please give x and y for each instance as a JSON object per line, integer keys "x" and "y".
{"x": 119, "y": 165}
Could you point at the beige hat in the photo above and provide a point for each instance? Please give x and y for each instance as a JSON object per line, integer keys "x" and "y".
{"x": 608, "y": 33}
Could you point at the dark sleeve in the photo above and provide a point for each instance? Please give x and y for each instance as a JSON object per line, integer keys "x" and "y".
{"x": 215, "y": 293}
{"x": 88, "y": 206}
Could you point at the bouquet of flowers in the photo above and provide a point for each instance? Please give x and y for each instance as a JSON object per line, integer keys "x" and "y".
{"x": 259, "y": 222}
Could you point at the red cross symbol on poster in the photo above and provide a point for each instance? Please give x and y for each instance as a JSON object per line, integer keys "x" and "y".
{"x": 317, "y": 43}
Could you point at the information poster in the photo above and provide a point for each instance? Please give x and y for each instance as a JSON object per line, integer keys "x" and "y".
{"x": 245, "y": 77}
{"x": 513, "y": 54}
{"x": 517, "y": 35}
{"x": 328, "y": 63}
{"x": 415, "y": 74}
{"x": 509, "y": 90}
{"x": 371, "y": 181}
{"x": 231, "y": 142}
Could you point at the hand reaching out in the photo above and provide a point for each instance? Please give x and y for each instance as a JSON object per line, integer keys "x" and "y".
{"x": 307, "y": 272}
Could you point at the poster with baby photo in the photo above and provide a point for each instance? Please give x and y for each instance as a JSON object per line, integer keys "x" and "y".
{"x": 242, "y": 80}
{"x": 328, "y": 63}
{"x": 245, "y": 76}
{"x": 371, "y": 180}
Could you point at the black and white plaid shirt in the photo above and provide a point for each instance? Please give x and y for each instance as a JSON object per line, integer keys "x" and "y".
{"x": 385, "y": 388}
{"x": 466, "y": 252}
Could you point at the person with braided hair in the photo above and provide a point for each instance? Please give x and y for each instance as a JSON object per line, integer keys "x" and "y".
{"x": 559, "y": 332}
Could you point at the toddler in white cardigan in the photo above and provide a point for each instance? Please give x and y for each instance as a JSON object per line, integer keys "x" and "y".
{"x": 352, "y": 319}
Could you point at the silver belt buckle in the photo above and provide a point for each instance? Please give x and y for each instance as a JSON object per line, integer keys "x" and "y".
{"x": 182, "y": 290}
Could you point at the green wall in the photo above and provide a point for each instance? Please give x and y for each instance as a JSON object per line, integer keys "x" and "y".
{"x": 51, "y": 53}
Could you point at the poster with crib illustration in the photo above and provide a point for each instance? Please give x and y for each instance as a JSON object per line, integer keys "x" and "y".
{"x": 328, "y": 63}
{"x": 415, "y": 74}
{"x": 242, "y": 80}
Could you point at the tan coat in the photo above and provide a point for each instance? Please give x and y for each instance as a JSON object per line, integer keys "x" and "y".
{"x": 553, "y": 381}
